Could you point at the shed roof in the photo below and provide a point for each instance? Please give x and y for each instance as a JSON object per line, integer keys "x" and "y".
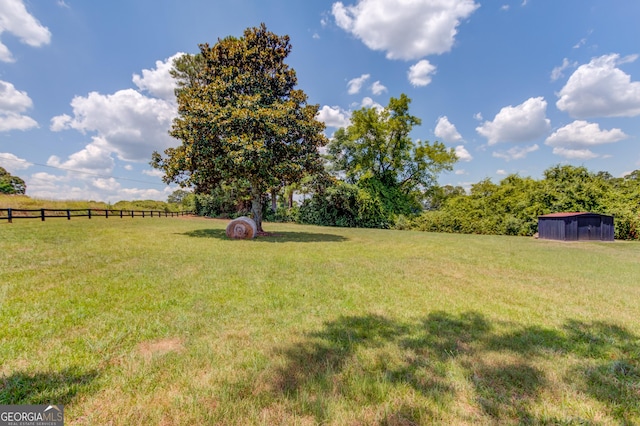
{"x": 571, "y": 214}
{"x": 564, "y": 214}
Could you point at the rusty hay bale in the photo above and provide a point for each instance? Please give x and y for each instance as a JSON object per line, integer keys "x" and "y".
{"x": 242, "y": 228}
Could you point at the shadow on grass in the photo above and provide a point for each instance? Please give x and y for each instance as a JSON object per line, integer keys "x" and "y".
{"x": 45, "y": 387}
{"x": 453, "y": 360}
{"x": 278, "y": 237}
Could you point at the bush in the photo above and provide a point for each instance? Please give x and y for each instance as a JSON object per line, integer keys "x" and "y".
{"x": 283, "y": 214}
{"x": 344, "y": 205}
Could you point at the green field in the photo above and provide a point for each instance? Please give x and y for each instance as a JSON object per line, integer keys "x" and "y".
{"x": 166, "y": 321}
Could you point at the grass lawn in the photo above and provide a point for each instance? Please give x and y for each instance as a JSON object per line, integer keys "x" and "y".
{"x": 165, "y": 321}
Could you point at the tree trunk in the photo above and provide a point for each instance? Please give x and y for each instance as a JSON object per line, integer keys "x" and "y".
{"x": 256, "y": 205}
{"x": 274, "y": 200}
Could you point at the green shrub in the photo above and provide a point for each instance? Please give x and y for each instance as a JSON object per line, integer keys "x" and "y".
{"x": 283, "y": 214}
{"x": 344, "y": 205}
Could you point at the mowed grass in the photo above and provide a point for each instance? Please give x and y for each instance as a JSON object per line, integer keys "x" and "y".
{"x": 166, "y": 321}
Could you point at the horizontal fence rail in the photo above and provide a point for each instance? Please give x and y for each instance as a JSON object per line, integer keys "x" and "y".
{"x": 42, "y": 214}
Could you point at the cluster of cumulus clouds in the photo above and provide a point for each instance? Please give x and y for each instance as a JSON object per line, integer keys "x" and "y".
{"x": 594, "y": 90}
{"x": 411, "y": 31}
{"x": 131, "y": 123}
{"x": 128, "y": 124}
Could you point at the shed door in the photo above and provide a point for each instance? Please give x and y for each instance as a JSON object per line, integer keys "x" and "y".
{"x": 589, "y": 228}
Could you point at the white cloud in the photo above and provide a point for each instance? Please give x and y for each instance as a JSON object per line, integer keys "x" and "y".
{"x": 575, "y": 154}
{"x": 378, "y": 88}
{"x": 13, "y": 103}
{"x": 354, "y": 85}
{"x": 12, "y": 121}
{"x": 463, "y": 154}
{"x": 558, "y": 72}
{"x": 504, "y": 7}
{"x": 522, "y": 123}
{"x": 516, "y": 153}
{"x": 127, "y": 123}
{"x": 460, "y": 172}
{"x": 13, "y": 163}
{"x": 582, "y": 134}
{"x": 420, "y": 73}
{"x": 501, "y": 172}
{"x": 579, "y": 44}
{"x": 447, "y": 131}
{"x": 60, "y": 122}
{"x": 15, "y": 19}
{"x": 13, "y": 100}
{"x": 145, "y": 194}
{"x": 105, "y": 184}
{"x": 158, "y": 81}
{"x": 153, "y": 172}
{"x": 49, "y": 186}
{"x": 367, "y": 102}
{"x": 333, "y": 116}
{"x": 95, "y": 158}
{"x": 600, "y": 89}
{"x": 478, "y": 116}
{"x": 405, "y": 29}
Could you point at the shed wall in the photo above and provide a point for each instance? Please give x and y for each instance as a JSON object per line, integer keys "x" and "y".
{"x": 581, "y": 227}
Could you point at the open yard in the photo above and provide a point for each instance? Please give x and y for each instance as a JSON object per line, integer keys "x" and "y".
{"x": 165, "y": 321}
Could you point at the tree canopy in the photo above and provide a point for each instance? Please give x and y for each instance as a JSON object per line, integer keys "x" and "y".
{"x": 376, "y": 152}
{"x": 240, "y": 117}
{"x": 10, "y": 184}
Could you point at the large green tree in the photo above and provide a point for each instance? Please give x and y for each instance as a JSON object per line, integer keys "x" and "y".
{"x": 10, "y": 184}
{"x": 240, "y": 117}
{"x": 376, "y": 152}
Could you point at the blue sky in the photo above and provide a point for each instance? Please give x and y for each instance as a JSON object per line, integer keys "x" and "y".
{"x": 513, "y": 86}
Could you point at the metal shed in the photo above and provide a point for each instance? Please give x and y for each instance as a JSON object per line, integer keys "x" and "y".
{"x": 576, "y": 226}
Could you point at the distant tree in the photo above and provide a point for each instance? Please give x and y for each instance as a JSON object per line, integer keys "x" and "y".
{"x": 177, "y": 196}
{"x": 240, "y": 117}
{"x": 437, "y": 195}
{"x": 376, "y": 152}
{"x": 10, "y": 184}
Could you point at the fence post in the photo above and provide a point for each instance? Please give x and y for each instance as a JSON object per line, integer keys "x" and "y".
{"x": 10, "y": 216}
{"x": 68, "y": 214}
{"x": 131, "y": 213}
{"x": 89, "y": 210}
{"x": 106, "y": 214}
{"x": 42, "y": 214}
{"x": 120, "y": 214}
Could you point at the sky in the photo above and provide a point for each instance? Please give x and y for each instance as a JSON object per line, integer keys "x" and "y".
{"x": 513, "y": 86}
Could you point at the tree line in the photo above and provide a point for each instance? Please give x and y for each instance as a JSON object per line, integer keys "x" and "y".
{"x": 512, "y": 206}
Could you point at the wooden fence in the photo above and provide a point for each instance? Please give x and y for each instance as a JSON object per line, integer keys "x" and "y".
{"x": 42, "y": 214}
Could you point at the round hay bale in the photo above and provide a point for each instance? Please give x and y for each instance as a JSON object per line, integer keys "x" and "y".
{"x": 242, "y": 228}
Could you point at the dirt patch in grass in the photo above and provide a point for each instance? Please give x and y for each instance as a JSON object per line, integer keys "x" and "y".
{"x": 153, "y": 348}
